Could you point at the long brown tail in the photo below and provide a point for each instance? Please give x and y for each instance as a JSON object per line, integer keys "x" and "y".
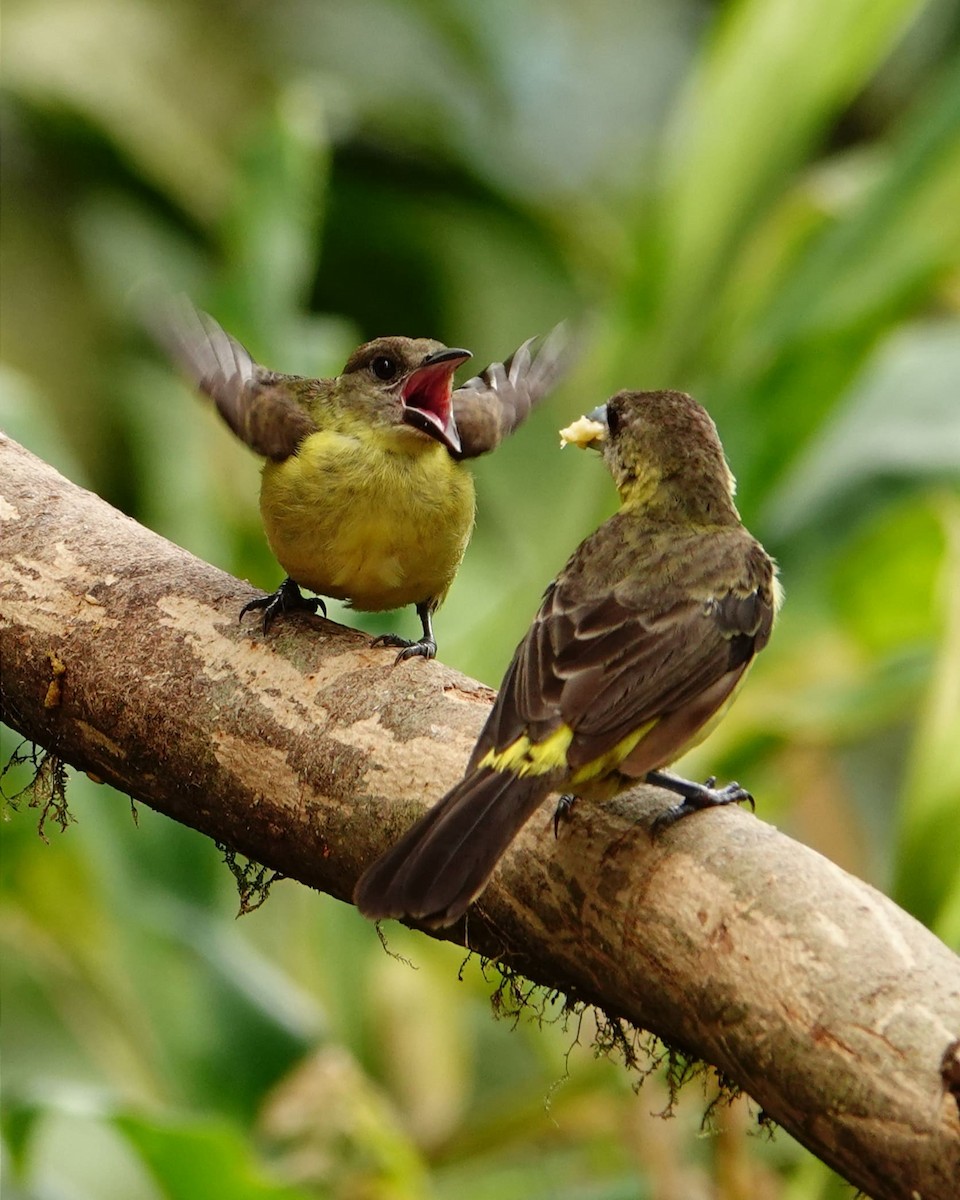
{"x": 443, "y": 862}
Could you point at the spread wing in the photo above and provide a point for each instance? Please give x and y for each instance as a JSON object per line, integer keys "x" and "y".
{"x": 612, "y": 649}
{"x": 258, "y": 405}
{"x": 491, "y": 405}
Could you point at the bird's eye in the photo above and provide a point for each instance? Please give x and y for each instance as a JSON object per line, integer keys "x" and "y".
{"x": 384, "y": 367}
{"x": 613, "y": 420}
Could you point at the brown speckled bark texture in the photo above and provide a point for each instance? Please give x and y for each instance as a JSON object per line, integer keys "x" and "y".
{"x": 310, "y": 752}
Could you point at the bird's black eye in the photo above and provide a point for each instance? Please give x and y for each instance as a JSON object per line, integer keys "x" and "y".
{"x": 613, "y": 420}
{"x": 384, "y": 367}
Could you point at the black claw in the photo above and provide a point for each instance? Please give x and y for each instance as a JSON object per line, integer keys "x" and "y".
{"x": 562, "y": 812}
{"x": 695, "y": 796}
{"x": 424, "y": 648}
{"x": 287, "y": 598}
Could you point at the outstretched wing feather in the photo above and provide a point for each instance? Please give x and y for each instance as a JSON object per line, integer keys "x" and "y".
{"x": 490, "y": 406}
{"x": 257, "y": 404}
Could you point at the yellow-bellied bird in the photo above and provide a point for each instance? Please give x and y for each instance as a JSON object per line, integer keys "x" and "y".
{"x": 639, "y": 646}
{"x": 364, "y": 495}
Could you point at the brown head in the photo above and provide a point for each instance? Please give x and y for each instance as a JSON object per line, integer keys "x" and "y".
{"x": 663, "y": 452}
{"x": 404, "y": 381}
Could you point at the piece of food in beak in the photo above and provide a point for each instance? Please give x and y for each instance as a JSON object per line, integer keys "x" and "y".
{"x": 583, "y": 432}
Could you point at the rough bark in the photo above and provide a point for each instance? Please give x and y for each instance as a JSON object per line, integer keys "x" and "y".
{"x": 310, "y": 752}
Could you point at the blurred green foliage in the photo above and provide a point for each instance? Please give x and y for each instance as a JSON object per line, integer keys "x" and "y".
{"x": 754, "y": 200}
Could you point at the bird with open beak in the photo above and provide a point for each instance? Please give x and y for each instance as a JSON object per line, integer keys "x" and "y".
{"x": 364, "y": 495}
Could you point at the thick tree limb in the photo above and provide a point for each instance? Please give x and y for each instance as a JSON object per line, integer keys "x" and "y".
{"x": 310, "y": 752}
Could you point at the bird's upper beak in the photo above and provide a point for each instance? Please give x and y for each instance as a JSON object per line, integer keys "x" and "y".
{"x": 591, "y": 430}
{"x": 426, "y": 396}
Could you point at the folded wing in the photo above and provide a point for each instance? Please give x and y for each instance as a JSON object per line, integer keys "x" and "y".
{"x": 606, "y": 657}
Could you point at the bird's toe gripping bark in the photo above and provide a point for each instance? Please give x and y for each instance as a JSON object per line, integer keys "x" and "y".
{"x": 694, "y": 796}
{"x": 287, "y": 598}
{"x": 424, "y": 647}
{"x": 562, "y": 812}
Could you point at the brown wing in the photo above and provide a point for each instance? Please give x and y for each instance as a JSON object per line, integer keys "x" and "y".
{"x": 257, "y": 404}
{"x": 613, "y": 648}
{"x": 490, "y": 406}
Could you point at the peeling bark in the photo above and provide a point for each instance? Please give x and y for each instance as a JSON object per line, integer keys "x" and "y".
{"x": 310, "y": 752}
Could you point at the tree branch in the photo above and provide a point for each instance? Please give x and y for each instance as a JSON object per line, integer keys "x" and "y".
{"x": 310, "y": 752}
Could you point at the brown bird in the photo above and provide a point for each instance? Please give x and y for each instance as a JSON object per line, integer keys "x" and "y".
{"x": 638, "y": 648}
{"x": 364, "y": 495}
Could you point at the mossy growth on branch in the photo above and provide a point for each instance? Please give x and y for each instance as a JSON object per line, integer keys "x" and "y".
{"x": 46, "y": 789}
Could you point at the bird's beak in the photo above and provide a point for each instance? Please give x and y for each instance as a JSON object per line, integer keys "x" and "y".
{"x": 426, "y": 397}
{"x": 592, "y": 430}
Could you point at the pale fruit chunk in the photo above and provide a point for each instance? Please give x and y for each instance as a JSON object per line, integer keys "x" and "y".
{"x": 583, "y": 432}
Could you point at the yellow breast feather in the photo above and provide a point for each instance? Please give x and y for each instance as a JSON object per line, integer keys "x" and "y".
{"x": 381, "y": 518}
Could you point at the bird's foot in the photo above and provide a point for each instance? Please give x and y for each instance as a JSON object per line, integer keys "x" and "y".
{"x": 287, "y": 598}
{"x": 694, "y": 796}
{"x": 421, "y": 648}
{"x": 562, "y": 812}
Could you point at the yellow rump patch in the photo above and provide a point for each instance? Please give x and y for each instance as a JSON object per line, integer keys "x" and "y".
{"x": 524, "y": 757}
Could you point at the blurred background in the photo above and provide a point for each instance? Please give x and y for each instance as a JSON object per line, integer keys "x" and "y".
{"x": 756, "y": 201}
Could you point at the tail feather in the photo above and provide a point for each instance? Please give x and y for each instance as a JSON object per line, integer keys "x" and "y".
{"x": 443, "y": 862}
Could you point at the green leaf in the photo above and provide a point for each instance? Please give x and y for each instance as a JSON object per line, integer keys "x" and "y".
{"x": 900, "y": 420}
{"x": 776, "y": 74}
{"x": 271, "y": 231}
{"x": 17, "y": 1122}
{"x": 928, "y": 867}
{"x": 202, "y": 1160}
{"x": 903, "y": 235}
